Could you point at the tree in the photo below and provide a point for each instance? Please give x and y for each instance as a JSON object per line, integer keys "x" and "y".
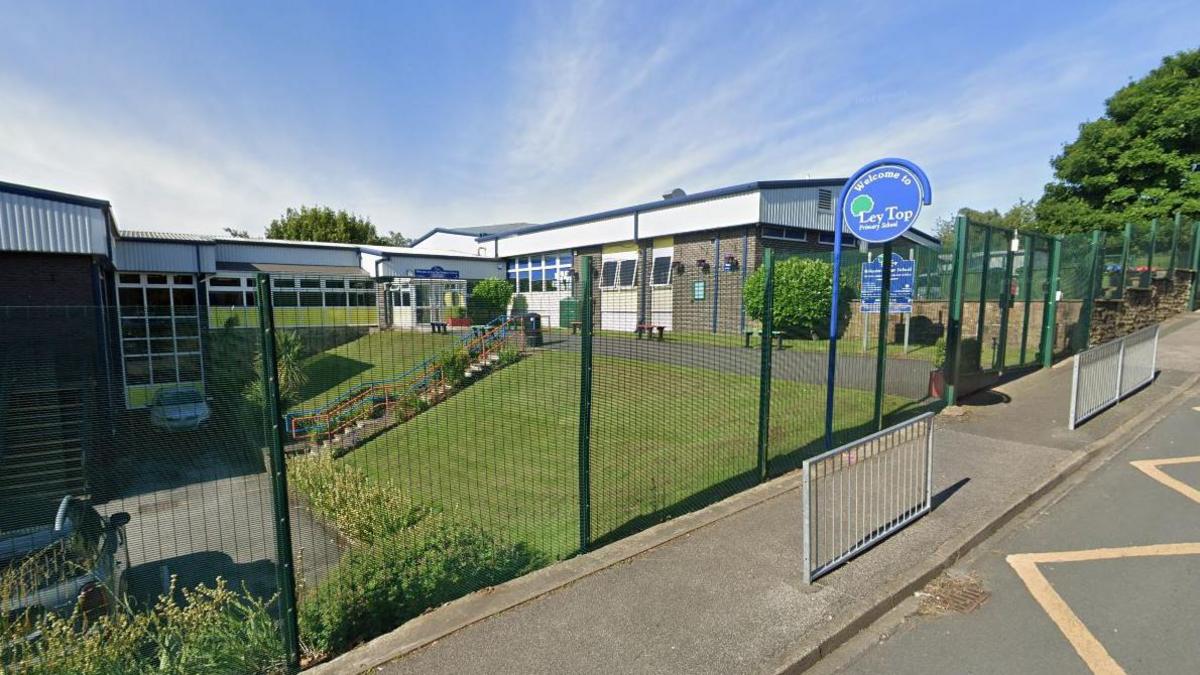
{"x": 1020, "y": 216}
{"x": 489, "y": 299}
{"x": 236, "y": 234}
{"x": 393, "y": 238}
{"x": 1139, "y": 160}
{"x": 321, "y": 223}
{"x": 803, "y": 296}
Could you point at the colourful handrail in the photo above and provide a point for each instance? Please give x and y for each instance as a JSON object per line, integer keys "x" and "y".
{"x": 363, "y": 400}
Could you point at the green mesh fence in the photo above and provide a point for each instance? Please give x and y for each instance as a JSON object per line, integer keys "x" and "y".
{"x": 439, "y": 436}
{"x": 134, "y": 479}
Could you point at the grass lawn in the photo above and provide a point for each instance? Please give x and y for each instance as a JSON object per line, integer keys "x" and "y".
{"x": 665, "y": 439}
{"x": 846, "y": 346}
{"x": 377, "y": 356}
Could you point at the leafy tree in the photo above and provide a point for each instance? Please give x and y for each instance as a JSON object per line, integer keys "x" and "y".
{"x": 236, "y": 234}
{"x": 321, "y": 223}
{"x": 489, "y": 299}
{"x": 1139, "y": 160}
{"x": 803, "y": 296}
{"x": 393, "y": 238}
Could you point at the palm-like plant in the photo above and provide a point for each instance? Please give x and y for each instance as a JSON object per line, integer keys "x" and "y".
{"x": 289, "y": 368}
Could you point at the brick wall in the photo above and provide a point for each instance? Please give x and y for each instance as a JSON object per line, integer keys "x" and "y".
{"x": 1141, "y": 307}
{"x": 38, "y": 279}
{"x": 722, "y": 289}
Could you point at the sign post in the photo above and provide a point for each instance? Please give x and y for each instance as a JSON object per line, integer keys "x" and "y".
{"x": 879, "y": 203}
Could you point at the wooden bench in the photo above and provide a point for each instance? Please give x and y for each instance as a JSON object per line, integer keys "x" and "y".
{"x": 437, "y": 326}
{"x": 648, "y": 329}
{"x": 576, "y": 326}
{"x": 775, "y": 335}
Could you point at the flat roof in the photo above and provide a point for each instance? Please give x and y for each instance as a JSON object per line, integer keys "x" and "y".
{"x": 676, "y": 201}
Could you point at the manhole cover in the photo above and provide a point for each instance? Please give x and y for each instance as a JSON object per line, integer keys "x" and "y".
{"x": 952, "y": 593}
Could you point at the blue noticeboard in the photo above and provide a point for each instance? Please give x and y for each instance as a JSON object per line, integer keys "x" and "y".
{"x": 904, "y": 274}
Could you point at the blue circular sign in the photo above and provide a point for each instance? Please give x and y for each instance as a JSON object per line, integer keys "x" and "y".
{"x": 882, "y": 202}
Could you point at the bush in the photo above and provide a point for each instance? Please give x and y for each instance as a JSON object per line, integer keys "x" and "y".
{"x": 939, "y": 353}
{"x": 458, "y": 312}
{"x": 289, "y": 361}
{"x": 508, "y": 356}
{"x": 489, "y": 299}
{"x": 453, "y": 364}
{"x": 803, "y": 296}
{"x": 211, "y": 631}
{"x": 361, "y": 509}
{"x": 375, "y": 588}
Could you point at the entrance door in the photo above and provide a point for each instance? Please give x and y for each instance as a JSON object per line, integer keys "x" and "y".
{"x": 402, "y": 307}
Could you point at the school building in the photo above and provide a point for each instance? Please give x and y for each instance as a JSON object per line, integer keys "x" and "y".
{"x": 67, "y": 271}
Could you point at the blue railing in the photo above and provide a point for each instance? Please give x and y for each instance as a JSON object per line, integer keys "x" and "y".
{"x": 309, "y": 421}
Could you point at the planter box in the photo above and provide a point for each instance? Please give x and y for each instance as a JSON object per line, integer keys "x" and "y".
{"x": 937, "y": 384}
{"x": 464, "y": 322}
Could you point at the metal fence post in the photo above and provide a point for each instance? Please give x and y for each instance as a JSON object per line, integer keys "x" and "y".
{"x": 885, "y": 286}
{"x": 1006, "y": 303}
{"x": 1174, "y": 243}
{"x": 1150, "y": 256}
{"x": 1195, "y": 264}
{"x": 1050, "y": 313}
{"x": 1127, "y": 237}
{"x": 285, "y": 570}
{"x": 1027, "y": 296}
{"x": 1089, "y": 297}
{"x": 764, "y": 376}
{"x": 981, "y": 319}
{"x": 954, "y": 322}
{"x": 585, "y": 407}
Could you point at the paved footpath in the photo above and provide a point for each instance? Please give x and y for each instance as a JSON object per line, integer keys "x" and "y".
{"x": 721, "y": 590}
{"x": 1103, "y": 578}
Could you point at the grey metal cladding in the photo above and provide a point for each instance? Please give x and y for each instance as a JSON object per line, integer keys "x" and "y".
{"x": 40, "y": 225}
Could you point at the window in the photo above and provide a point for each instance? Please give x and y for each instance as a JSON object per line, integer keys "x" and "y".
{"x": 608, "y": 274}
{"x": 791, "y": 233}
{"x": 824, "y": 200}
{"x": 160, "y": 327}
{"x": 626, "y": 271}
{"x": 661, "y": 273}
{"x": 538, "y": 273}
{"x": 848, "y": 241}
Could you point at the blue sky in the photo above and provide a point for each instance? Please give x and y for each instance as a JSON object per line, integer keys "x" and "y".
{"x": 210, "y": 115}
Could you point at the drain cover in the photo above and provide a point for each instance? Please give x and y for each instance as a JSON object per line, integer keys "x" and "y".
{"x": 952, "y": 593}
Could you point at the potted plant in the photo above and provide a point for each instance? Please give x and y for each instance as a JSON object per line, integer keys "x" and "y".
{"x": 458, "y": 317}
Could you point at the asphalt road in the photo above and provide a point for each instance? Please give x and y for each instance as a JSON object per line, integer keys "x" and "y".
{"x": 1109, "y": 579}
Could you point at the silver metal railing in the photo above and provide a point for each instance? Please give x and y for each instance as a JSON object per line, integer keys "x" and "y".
{"x": 1109, "y": 372}
{"x": 858, "y": 494}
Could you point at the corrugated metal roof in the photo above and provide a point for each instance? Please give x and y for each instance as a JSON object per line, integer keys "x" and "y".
{"x": 332, "y": 270}
{"x": 147, "y": 235}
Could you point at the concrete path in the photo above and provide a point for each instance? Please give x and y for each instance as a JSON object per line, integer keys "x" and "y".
{"x": 721, "y": 590}
{"x": 1122, "y": 553}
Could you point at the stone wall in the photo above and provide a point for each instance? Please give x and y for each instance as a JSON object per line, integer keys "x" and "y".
{"x": 1141, "y": 307}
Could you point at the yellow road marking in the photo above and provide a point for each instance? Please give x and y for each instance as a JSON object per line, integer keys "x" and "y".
{"x": 1086, "y": 645}
{"x": 1150, "y": 467}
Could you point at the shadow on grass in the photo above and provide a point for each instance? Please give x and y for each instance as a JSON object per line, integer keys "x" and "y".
{"x": 327, "y": 371}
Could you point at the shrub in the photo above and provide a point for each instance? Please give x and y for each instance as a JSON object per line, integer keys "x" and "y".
{"x": 803, "y": 296}
{"x": 375, "y": 588}
{"x": 458, "y": 312}
{"x": 361, "y": 509}
{"x": 453, "y": 363}
{"x": 508, "y": 356}
{"x": 489, "y": 299}
{"x": 519, "y": 304}
{"x": 289, "y": 360}
{"x": 939, "y": 353}
{"x": 212, "y": 630}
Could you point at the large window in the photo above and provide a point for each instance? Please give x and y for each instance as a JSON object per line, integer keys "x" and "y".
{"x": 160, "y": 328}
{"x": 321, "y": 292}
{"x": 791, "y": 233}
{"x": 546, "y": 272}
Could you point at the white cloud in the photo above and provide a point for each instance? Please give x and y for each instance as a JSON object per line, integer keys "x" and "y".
{"x": 183, "y": 183}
